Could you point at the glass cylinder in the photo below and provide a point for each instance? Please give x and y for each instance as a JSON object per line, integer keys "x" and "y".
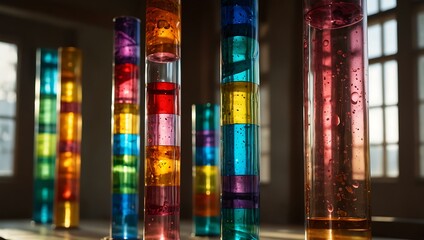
{"x": 67, "y": 187}
{"x": 45, "y": 135}
{"x": 162, "y": 143}
{"x": 126, "y": 128}
{"x": 206, "y": 184}
{"x": 240, "y": 119}
{"x": 337, "y": 177}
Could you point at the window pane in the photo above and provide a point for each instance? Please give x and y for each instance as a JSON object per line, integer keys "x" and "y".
{"x": 421, "y": 77}
{"x": 422, "y": 160}
{"x": 374, "y": 46}
{"x": 392, "y": 161}
{"x": 422, "y": 123}
{"x": 372, "y": 7}
{"x": 376, "y": 155}
{"x": 392, "y": 125}
{"x": 420, "y": 30}
{"x": 375, "y": 85}
{"x": 390, "y": 37}
{"x": 391, "y": 82}
{"x": 387, "y": 4}
{"x": 7, "y": 140}
{"x": 376, "y": 125}
{"x": 8, "y": 62}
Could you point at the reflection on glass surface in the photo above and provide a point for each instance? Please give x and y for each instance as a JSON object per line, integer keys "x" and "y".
{"x": 392, "y": 125}
{"x": 422, "y": 161}
{"x": 376, "y": 125}
{"x": 8, "y": 63}
{"x": 390, "y": 37}
{"x": 392, "y": 153}
{"x": 375, "y": 85}
{"x": 374, "y": 46}
{"x": 376, "y": 155}
{"x": 420, "y": 30}
{"x": 372, "y": 7}
{"x": 391, "y": 82}
{"x": 387, "y": 4}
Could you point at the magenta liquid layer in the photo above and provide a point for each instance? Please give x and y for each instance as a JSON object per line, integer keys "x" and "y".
{"x": 162, "y": 130}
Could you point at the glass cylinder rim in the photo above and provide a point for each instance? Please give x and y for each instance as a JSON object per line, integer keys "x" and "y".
{"x": 124, "y": 17}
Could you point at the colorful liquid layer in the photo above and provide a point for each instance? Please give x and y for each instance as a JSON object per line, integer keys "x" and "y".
{"x": 240, "y": 119}
{"x": 240, "y": 103}
{"x": 162, "y": 212}
{"x": 124, "y": 216}
{"x": 45, "y": 135}
{"x": 163, "y": 30}
{"x": 240, "y": 149}
{"x": 240, "y": 224}
{"x": 338, "y": 228}
{"x": 206, "y": 189}
{"x": 126, "y": 129}
{"x": 162, "y": 130}
{"x": 66, "y": 206}
{"x": 162, "y": 166}
{"x": 163, "y": 98}
{"x": 66, "y": 214}
{"x": 337, "y": 167}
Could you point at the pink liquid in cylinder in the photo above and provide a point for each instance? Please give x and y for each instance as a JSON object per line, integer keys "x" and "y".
{"x": 336, "y": 127}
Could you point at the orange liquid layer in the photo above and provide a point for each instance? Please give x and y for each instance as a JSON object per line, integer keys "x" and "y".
{"x": 163, "y": 30}
{"x": 206, "y": 205}
{"x": 162, "y": 166}
{"x": 70, "y": 127}
{"x": 338, "y": 228}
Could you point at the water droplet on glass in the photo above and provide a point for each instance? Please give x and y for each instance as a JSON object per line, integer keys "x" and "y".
{"x": 325, "y": 43}
{"x": 336, "y": 120}
{"x": 354, "y": 97}
{"x": 355, "y": 185}
{"x": 330, "y": 208}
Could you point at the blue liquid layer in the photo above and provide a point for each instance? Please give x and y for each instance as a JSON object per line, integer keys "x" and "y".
{"x": 240, "y": 224}
{"x": 125, "y": 216}
{"x": 207, "y": 226}
{"x": 207, "y": 156}
{"x": 126, "y": 144}
{"x": 240, "y": 149}
{"x": 43, "y": 201}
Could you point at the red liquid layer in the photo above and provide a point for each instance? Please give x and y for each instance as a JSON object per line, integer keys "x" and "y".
{"x": 163, "y": 98}
{"x": 126, "y": 83}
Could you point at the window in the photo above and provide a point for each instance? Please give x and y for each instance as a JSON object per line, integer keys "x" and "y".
{"x": 8, "y": 65}
{"x": 383, "y": 89}
{"x": 420, "y": 67}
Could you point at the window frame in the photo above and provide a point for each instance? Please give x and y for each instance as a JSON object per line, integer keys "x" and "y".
{"x": 16, "y": 41}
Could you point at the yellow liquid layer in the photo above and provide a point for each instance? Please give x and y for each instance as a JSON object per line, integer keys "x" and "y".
{"x": 70, "y": 91}
{"x": 70, "y": 127}
{"x": 240, "y": 103}
{"x": 338, "y": 228}
{"x": 66, "y": 214}
{"x": 206, "y": 179}
{"x": 126, "y": 119}
{"x": 46, "y": 144}
{"x": 162, "y": 166}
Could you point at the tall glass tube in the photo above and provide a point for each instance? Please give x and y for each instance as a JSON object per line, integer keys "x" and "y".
{"x": 126, "y": 129}
{"x": 206, "y": 184}
{"x": 240, "y": 119}
{"x": 337, "y": 178}
{"x": 67, "y": 187}
{"x": 45, "y": 135}
{"x": 162, "y": 153}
